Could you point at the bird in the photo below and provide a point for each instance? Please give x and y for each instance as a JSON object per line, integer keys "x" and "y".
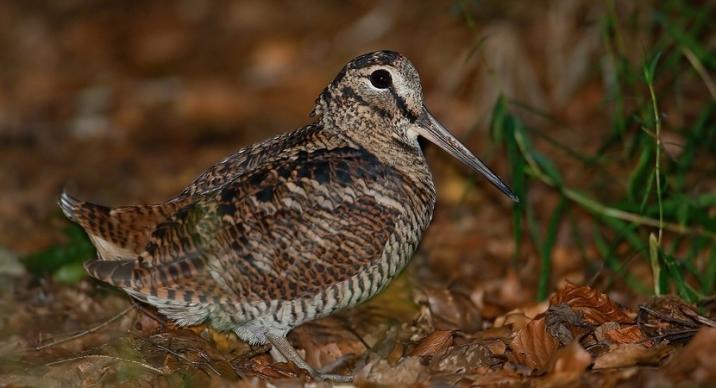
{"x": 291, "y": 229}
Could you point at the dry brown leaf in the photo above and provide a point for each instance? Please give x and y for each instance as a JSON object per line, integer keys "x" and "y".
{"x": 453, "y": 310}
{"x": 147, "y": 323}
{"x": 435, "y": 343}
{"x": 497, "y": 347}
{"x": 568, "y": 364}
{"x": 408, "y": 372}
{"x": 668, "y": 317}
{"x": 517, "y": 320}
{"x": 533, "y": 347}
{"x": 264, "y": 366}
{"x": 396, "y": 353}
{"x": 465, "y": 359}
{"x": 606, "y": 336}
{"x": 697, "y": 361}
{"x": 501, "y": 378}
{"x": 624, "y": 355}
{"x": 520, "y": 317}
{"x": 625, "y": 335}
{"x": 495, "y": 332}
{"x": 224, "y": 342}
{"x": 571, "y": 359}
{"x": 564, "y": 323}
{"x": 326, "y": 341}
{"x": 596, "y": 307}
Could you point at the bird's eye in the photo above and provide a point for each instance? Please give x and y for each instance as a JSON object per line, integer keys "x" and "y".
{"x": 380, "y": 79}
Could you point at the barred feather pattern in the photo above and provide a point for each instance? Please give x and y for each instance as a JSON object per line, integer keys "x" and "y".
{"x": 284, "y": 231}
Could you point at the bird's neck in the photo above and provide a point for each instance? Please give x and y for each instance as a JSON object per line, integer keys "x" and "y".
{"x": 402, "y": 153}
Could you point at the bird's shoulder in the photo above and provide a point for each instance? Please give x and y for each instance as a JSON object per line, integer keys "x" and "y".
{"x": 251, "y": 158}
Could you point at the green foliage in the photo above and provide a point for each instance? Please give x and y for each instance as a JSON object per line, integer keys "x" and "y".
{"x": 63, "y": 262}
{"x": 662, "y": 217}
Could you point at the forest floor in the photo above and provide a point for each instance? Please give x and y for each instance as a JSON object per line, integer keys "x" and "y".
{"x": 601, "y": 116}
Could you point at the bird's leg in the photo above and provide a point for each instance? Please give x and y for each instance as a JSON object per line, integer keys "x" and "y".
{"x": 276, "y": 355}
{"x": 286, "y": 349}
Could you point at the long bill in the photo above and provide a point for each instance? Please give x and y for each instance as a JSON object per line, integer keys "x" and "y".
{"x": 428, "y": 127}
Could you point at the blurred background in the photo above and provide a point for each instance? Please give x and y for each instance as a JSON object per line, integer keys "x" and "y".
{"x": 125, "y": 102}
{"x": 601, "y": 115}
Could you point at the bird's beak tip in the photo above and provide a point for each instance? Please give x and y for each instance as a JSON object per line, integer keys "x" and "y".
{"x": 428, "y": 127}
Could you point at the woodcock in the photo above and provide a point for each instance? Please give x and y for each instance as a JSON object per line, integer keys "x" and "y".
{"x": 293, "y": 228}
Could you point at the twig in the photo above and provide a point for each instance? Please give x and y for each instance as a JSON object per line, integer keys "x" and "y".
{"x": 85, "y": 332}
{"x": 148, "y": 312}
{"x": 669, "y": 318}
{"x": 698, "y": 317}
{"x": 143, "y": 365}
{"x": 180, "y": 356}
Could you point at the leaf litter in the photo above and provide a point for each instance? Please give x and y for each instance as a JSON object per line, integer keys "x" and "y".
{"x": 579, "y": 336}
{"x": 462, "y": 314}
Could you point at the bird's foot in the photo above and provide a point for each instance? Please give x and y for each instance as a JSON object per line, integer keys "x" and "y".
{"x": 284, "y": 347}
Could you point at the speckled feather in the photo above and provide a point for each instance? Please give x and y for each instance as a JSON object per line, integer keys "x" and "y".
{"x": 283, "y": 231}
{"x": 293, "y": 228}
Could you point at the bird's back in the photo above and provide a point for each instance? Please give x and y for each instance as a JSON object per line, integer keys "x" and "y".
{"x": 302, "y": 216}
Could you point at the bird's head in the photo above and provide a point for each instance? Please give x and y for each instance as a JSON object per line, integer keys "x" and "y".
{"x": 378, "y": 95}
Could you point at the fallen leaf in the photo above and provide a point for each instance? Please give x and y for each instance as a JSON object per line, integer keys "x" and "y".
{"x": 516, "y": 320}
{"x": 520, "y": 317}
{"x": 669, "y": 318}
{"x": 407, "y": 372}
{"x": 595, "y": 307}
{"x": 264, "y": 367}
{"x": 453, "y": 310}
{"x": 568, "y": 364}
{"x": 465, "y": 359}
{"x": 533, "y": 347}
{"x": 604, "y": 337}
{"x": 564, "y": 323}
{"x": 497, "y": 347}
{"x": 625, "y": 335}
{"x": 435, "y": 343}
{"x": 696, "y": 362}
{"x": 571, "y": 359}
{"x": 623, "y": 355}
{"x": 327, "y": 342}
{"x": 226, "y": 342}
{"x": 500, "y": 377}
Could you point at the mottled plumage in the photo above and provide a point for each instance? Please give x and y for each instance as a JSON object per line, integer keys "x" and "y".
{"x": 290, "y": 229}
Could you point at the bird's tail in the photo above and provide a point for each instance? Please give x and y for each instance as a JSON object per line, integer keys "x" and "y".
{"x": 117, "y": 233}
{"x": 80, "y": 211}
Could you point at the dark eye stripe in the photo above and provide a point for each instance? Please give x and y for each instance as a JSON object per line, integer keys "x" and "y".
{"x": 400, "y": 102}
{"x": 350, "y": 93}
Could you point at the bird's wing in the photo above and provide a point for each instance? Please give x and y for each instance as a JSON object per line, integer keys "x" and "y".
{"x": 282, "y": 230}
{"x": 118, "y": 232}
{"x": 246, "y": 160}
